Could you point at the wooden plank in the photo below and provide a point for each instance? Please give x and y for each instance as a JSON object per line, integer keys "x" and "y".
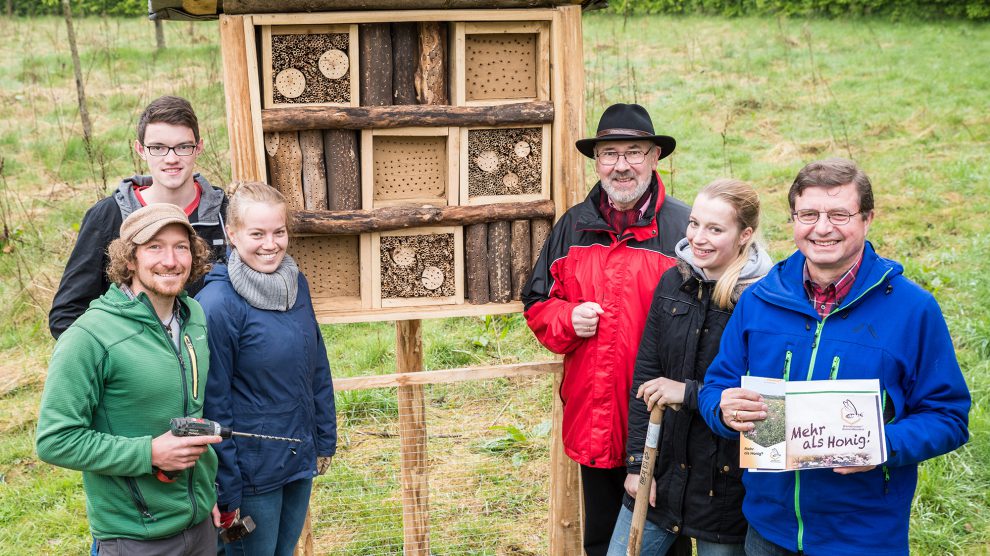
{"x": 302, "y": 117}
{"x": 401, "y": 16}
{"x": 568, "y": 101}
{"x": 412, "y": 442}
{"x": 350, "y": 222}
{"x": 237, "y": 86}
{"x": 565, "y": 488}
{"x": 375, "y": 51}
{"x": 447, "y": 376}
{"x": 405, "y": 58}
{"x": 430, "y": 77}
{"x": 329, "y": 313}
{"x": 457, "y": 68}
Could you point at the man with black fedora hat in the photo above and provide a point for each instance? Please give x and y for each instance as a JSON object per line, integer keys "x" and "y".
{"x": 589, "y": 295}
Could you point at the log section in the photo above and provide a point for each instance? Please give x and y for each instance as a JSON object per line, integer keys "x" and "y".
{"x": 521, "y": 257}
{"x": 351, "y": 222}
{"x": 314, "y": 173}
{"x": 431, "y": 72}
{"x": 285, "y": 165}
{"x": 476, "y": 263}
{"x": 540, "y": 231}
{"x": 375, "y": 47}
{"x": 405, "y": 54}
{"x": 340, "y": 150}
{"x": 499, "y": 262}
{"x": 292, "y": 118}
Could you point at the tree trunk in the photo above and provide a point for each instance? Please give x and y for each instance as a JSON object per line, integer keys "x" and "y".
{"x": 405, "y": 49}
{"x": 431, "y": 72}
{"x": 10, "y": 8}
{"x": 296, "y": 118}
{"x": 77, "y": 67}
{"x": 159, "y": 35}
{"x": 340, "y": 149}
{"x": 375, "y": 45}
{"x": 499, "y": 266}
{"x": 476, "y": 263}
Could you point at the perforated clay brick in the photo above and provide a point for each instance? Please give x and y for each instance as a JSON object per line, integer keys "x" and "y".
{"x": 332, "y": 265}
{"x": 303, "y": 53}
{"x": 500, "y": 66}
{"x": 505, "y": 161}
{"x": 417, "y": 266}
{"x": 410, "y": 167}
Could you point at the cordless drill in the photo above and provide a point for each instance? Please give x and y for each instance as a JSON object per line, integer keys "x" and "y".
{"x": 192, "y": 426}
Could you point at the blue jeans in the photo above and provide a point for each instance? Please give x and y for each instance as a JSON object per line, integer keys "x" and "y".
{"x": 279, "y": 516}
{"x": 756, "y": 545}
{"x": 657, "y": 540}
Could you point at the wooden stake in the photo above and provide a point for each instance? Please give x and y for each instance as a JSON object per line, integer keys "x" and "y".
{"x": 412, "y": 442}
{"x": 476, "y": 263}
{"x": 565, "y": 489}
{"x": 314, "y": 173}
{"x": 521, "y": 257}
{"x": 340, "y": 150}
{"x": 499, "y": 265}
{"x": 405, "y": 50}
{"x": 375, "y": 55}
{"x": 431, "y": 72}
{"x": 645, "y": 481}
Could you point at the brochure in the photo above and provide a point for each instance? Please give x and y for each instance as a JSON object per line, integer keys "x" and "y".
{"x": 815, "y": 424}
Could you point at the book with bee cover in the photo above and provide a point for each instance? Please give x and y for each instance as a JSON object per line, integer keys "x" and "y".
{"x": 815, "y": 424}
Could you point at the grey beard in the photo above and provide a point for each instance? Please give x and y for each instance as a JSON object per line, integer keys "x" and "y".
{"x": 625, "y": 198}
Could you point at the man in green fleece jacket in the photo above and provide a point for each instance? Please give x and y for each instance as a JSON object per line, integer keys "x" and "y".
{"x": 135, "y": 359}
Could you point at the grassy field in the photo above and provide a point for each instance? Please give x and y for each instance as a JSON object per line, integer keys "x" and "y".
{"x": 750, "y": 98}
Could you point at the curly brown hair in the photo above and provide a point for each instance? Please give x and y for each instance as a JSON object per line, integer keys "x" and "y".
{"x": 121, "y": 252}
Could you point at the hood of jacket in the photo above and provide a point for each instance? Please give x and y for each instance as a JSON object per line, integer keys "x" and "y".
{"x": 757, "y": 266}
{"x": 207, "y": 213}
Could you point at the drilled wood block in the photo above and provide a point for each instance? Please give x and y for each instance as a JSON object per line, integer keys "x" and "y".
{"x": 505, "y": 164}
{"x": 332, "y": 265}
{"x": 423, "y": 266}
{"x": 409, "y": 166}
{"x": 309, "y": 64}
{"x": 500, "y": 62}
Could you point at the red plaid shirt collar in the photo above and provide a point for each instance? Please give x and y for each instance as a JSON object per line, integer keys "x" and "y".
{"x": 827, "y": 298}
{"x": 619, "y": 220}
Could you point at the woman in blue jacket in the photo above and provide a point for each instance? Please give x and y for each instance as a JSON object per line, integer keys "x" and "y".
{"x": 269, "y": 375}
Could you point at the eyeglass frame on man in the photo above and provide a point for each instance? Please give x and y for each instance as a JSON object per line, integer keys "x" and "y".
{"x": 598, "y": 157}
{"x": 151, "y": 148}
{"x": 842, "y": 215}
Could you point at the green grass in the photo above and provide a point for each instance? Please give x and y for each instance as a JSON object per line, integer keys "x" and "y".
{"x": 751, "y": 98}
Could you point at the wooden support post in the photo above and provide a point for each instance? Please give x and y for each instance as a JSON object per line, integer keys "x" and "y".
{"x": 304, "y": 547}
{"x": 375, "y": 40}
{"x": 565, "y": 489}
{"x": 340, "y": 149}
{"x": 236, "y": 78}
{"x": 499, "y": 266}
{"x": 412, "y": 442}
{"x": 285, "y": 162}
{"x": 568, "y": 104}
{"x": 431, "y": 72}
{"x": 521, "y": 257}
{"x": 314, "y": 173}
{"x": 405, "y": 52}
{"x": 540, "y": 230}
{"x": 476, "y": 263}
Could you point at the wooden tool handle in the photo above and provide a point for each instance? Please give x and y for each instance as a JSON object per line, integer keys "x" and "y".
{"x": 645, "y": 480}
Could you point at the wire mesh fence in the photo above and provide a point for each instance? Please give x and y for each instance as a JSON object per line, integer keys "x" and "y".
{"x": 486, "y": 462}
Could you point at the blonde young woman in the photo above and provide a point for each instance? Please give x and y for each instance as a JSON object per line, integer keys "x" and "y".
{"x": 697, "y": 490}
{"x": 268, "y": 374}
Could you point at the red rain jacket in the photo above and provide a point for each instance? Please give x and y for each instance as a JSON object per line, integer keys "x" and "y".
{"x": 583, "y": 260}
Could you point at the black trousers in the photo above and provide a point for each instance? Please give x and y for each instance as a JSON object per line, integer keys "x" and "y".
{"x": 603, "y": 491}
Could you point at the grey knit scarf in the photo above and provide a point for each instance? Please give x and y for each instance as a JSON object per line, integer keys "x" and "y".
{"x": 275, "y": 291}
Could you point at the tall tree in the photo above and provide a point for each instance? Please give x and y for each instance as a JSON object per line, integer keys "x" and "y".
{"x": 77, "y": 66}
{"x": 159, "y": 35}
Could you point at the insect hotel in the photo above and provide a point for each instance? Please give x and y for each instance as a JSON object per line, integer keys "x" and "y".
{"x": 424, "y": 154}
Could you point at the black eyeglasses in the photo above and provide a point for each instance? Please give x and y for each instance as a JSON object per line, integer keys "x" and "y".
{"x": 835, "y": 217}
{"x": 162, "y": 150}
{"x": 611, "y": 158}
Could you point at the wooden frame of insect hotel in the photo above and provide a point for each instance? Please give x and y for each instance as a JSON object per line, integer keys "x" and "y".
{"x": 424, "y": 154}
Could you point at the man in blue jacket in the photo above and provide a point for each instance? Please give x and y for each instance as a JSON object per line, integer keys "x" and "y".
{"x": 837, "y": 310}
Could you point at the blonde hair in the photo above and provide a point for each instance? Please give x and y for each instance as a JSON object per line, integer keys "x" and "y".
{"x": 745, "y": 201}
{"x": 243, "y": 192}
